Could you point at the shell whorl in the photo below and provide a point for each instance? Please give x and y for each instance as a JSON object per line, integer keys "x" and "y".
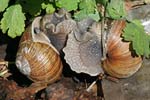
{"x": 43, "y": 61}
{"x": 120, "y": 62}
{"x": 37, "y": 57}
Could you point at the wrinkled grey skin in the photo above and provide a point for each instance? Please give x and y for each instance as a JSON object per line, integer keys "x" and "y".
{"x": 82, "y": 31}
{"x": 83, "y": 48}
{"x": 57, "y": 26}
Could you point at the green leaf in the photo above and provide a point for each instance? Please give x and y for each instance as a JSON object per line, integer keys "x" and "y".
{"x": 32, "y": 7}
{"x": 48, "y": 7}
{"x": 87, "y": 9}
{"x": 13, "y": 21}
{"x": 88, "y": 5}
{"x": 116, "y": 9}
{"x": 3, "y": 5}
{"x": 68, "y": 4}
{"x": 94, "y": 15}
{"x": 134, "y": 32}
{"x": 83, "y": 14}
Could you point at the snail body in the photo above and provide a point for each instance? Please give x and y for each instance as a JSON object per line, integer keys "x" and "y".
{"x": 57, "y": 26}
{"x": 37, "y": 58}
{"x": 83, "y": 51}
{"x": 120, "y": 61}
{"x": 83, "y": 48}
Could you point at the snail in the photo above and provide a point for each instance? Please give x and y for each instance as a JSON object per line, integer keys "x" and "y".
{"x": 83, "y": 48}
{"x": 121, "y": 62}
{"x": 57, "y": 26}
{"x": 83, "y": 51}
{"x": 37, "y": 58}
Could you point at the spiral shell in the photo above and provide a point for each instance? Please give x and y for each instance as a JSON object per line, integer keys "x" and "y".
{"x": 36, "y": 57}
{"x": 120, "y": 62}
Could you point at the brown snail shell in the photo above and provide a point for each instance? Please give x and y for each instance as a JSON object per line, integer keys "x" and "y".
{"x": 120, "y": 61}
{"x": 36, "y": 57}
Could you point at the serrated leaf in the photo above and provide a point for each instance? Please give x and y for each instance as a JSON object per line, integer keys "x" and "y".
{"x": 87, "y": 9}
{"x": 48, "y": 7}
{"x": 32, "y": 7}
{"x": 89, "y": 5}
{"x": 83, "y": 14}
{"x": 94, "y": 16}
{"x": 116, "y": 9}
{"x": 13, "y": 21}
{"x": 3, "y": 4}
{"x": 135, "y": 33}
{"x": 68, "y": 4}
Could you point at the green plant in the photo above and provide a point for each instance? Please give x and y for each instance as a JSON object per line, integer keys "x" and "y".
{"x": 16, "y": 12}
{"x": 13, "y": 15}
{"x": 134, "y": 32}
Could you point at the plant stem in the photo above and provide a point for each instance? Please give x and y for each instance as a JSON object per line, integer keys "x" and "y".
{"x": 6, "y": 62}
{"x": 103, "y": 34}
{"x": 3, "y": 62}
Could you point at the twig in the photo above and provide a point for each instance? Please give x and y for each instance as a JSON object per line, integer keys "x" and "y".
{"x": 90, "y": 87}
{"x": 103, "y": 34}
{"x": 3, "y": 73}
{"x": 101, "y": 76}
{"x": 138, "y": 3}
{"x": 113, "y": 79}
{"x": 3, "y": 62}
